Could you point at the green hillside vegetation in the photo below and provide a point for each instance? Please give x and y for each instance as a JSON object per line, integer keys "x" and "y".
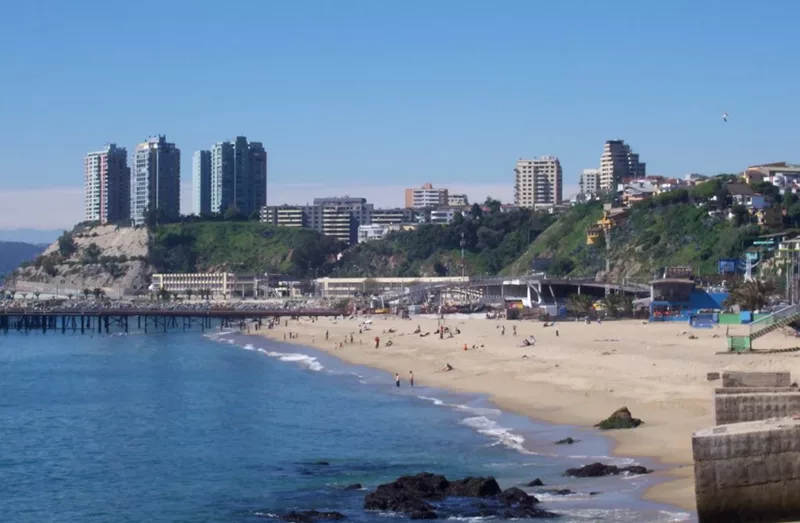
{"x": 492, "y": 240}
{"x": 241, "y": 247}
{"x": 671, "y": 229}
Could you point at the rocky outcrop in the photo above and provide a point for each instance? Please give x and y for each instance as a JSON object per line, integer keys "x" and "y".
{"x": 420, "y": 497}
{"x": 621, "y": 419}
{"x": 596, "y": 470}
{"x": 354, "y": 486}
{"x": 535, "y": 483}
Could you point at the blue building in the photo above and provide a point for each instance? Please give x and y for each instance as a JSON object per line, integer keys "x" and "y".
{"x": 675, "y": 297}
{"x": 237, "y": 177}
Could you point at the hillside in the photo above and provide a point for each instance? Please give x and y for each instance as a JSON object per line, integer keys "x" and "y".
{"x": 14, "y": 253}
{"x": 655, "y": 235}
{"x": 242, "y": 247}
{"x": 107, "y": 257}
{"x": 491, "y": 241}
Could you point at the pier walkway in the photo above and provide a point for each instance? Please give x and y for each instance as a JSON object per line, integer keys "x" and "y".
{"x": 106, "y": 320}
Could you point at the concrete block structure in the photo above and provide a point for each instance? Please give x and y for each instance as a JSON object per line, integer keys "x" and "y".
{"x": 737, "y": 408}
{"x": 748, "y": 472}
{"x": 753, "y": 390}
{"x": 756, "y": 379}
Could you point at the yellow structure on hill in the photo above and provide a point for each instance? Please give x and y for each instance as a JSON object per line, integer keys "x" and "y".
{"x": 612, "y": 217}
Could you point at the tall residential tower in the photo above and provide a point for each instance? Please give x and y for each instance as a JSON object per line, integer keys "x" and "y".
{"x": 238, "y": 177}
{"x": 201, "y": 182}
{"x": 539, "y": 183}
{"x": 107, "y": 185}
{"x": 618, "y": 164}
{"x": 156, "y": 180}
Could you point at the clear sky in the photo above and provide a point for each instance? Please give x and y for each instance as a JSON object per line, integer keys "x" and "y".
{"x": 369, "y": 96}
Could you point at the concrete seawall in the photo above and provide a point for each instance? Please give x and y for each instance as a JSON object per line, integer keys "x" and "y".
{"x": 737, "y": 408}
{"x": 756, "y": 379}
{"x": 748, "y": 472}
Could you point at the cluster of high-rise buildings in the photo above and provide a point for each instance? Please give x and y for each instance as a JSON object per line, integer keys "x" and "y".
{"x": 230, "y": 175}
{"x": 539, "y": 181}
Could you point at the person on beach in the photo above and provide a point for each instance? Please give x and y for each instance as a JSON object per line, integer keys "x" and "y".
{"x": 377, "y": 342}
{"x": 503, "y": 330}
{"x": 411, "y": 378}
{"x": 351, "y": 337}
{"x": 514, "y": 329}
{"x": 326, "y": 335}
{"x": 397, "y": 380}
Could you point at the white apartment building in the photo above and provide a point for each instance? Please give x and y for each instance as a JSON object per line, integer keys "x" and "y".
{"x": 457, "y": 200}
{"x": 539, "y": 183}
{"x": 590, "y": 181}
{"x": 619, "y": 164}
{"x": 425, "y": 197}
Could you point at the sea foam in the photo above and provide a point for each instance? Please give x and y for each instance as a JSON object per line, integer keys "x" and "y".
{"x": 501, "y": 435}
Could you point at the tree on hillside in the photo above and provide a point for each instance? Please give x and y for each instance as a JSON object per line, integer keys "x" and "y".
{"x": 92, "y": 253}
{"x": 476, "y": 212}
{"x": 233, "y": 214}
{"x": 741, "y": 216}
{"x": 580, "y": 304}
{"x": 37, "y": 294}
{"x": 98, "y": 292}
{"x": 750, "y": 295}
{"x": 86, "y": 293}
{"x": 492, "y": 204}
{"x": 189, "y": 293}
{"x": 66, "y": 245}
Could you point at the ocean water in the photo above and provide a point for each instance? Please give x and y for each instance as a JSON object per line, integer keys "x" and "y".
{"x": 226, "y": 428}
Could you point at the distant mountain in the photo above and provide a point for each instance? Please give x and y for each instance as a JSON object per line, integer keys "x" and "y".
{"x": 33, "y": 236}
{"x": 14, "y": 253}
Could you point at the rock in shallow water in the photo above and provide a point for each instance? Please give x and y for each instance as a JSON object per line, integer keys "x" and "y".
{"x": 566, "y": 441}
{"x": 596, "y": 470}
{"x": 354, "y": 486}
{"x": 535, "y": 483}
{"x": 416, "y": 497}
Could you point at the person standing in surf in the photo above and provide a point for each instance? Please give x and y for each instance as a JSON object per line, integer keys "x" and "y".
{"x": 411, "y": 378}
{"x": 397, "y": 380}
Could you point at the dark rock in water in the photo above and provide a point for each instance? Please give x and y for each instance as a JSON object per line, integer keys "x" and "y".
{"x": 514, "y": 496}
{"x": 321, "y": 463}
{"x": 306, "y": 516}
{"x": 596, "y": 470}
{"x": 417, "y": 497}
{"x": 595, "y": 493}
{"x": 354, "y": 486}
{"x": 566, "y": 441}
{"x": 621, "y": 419}
{"x": 535, "y": 483}
{"x": 423, "y": 514}
{"x": 559, "y": 492}
{"x": 474, "y": 488}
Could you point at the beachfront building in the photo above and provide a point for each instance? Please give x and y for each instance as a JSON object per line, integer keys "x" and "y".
{"x": 107, "y": 185}
{"x": 538, "y": 183}
{"x": 457, "y": 200}
{"x": 220, "y": 284}
{"x": 352, "y": 287}
{"x": 425, "y": 197}
{"x": 156, "y": 180}
{"x": 619, "y": 164}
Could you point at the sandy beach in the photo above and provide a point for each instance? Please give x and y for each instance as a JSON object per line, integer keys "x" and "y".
{"x": 575, "y": 373}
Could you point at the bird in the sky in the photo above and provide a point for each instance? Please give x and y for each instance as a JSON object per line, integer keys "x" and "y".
{"x": 724, "y": 117}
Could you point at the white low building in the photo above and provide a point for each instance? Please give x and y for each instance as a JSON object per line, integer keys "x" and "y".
{"x": 220, "y": 284}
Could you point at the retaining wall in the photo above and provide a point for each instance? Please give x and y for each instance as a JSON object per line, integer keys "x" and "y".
{"x": 737, "y": 408}
{"x": 756, "y": 379}
{"x": 753, "y": 390}
{"x": 748, "y": 472}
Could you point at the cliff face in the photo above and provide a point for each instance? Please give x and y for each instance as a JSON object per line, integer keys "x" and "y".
{"x": 112, "y": 258}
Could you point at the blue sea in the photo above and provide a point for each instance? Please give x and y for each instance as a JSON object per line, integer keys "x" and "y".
{"x": 181, "y": 427}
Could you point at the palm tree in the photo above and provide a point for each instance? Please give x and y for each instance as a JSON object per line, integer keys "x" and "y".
{"x": 24, "y": 295}
{"x": 613, "y": 304}
{"x": 86, "y": 293}
{"x": 750, "y": 295}
{"x": 580, "y": 304}
{"x": 11, "y": 294}
{"x": 97, "y": 291}
{"x": 189, "y": 293}
{"x": 69, "y": 295}
{"x": 37, "y": 293}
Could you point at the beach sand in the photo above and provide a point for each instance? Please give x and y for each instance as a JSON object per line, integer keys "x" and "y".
{"x": 576, "y": 374}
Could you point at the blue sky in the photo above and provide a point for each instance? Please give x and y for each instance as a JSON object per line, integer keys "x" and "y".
{"x": 366, "y": 97}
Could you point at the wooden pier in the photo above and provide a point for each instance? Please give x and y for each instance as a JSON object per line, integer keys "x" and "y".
{"x": 105, "y": 321}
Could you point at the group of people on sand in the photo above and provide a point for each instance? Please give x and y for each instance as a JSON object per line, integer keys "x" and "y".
{"x": 410, "y": 379}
